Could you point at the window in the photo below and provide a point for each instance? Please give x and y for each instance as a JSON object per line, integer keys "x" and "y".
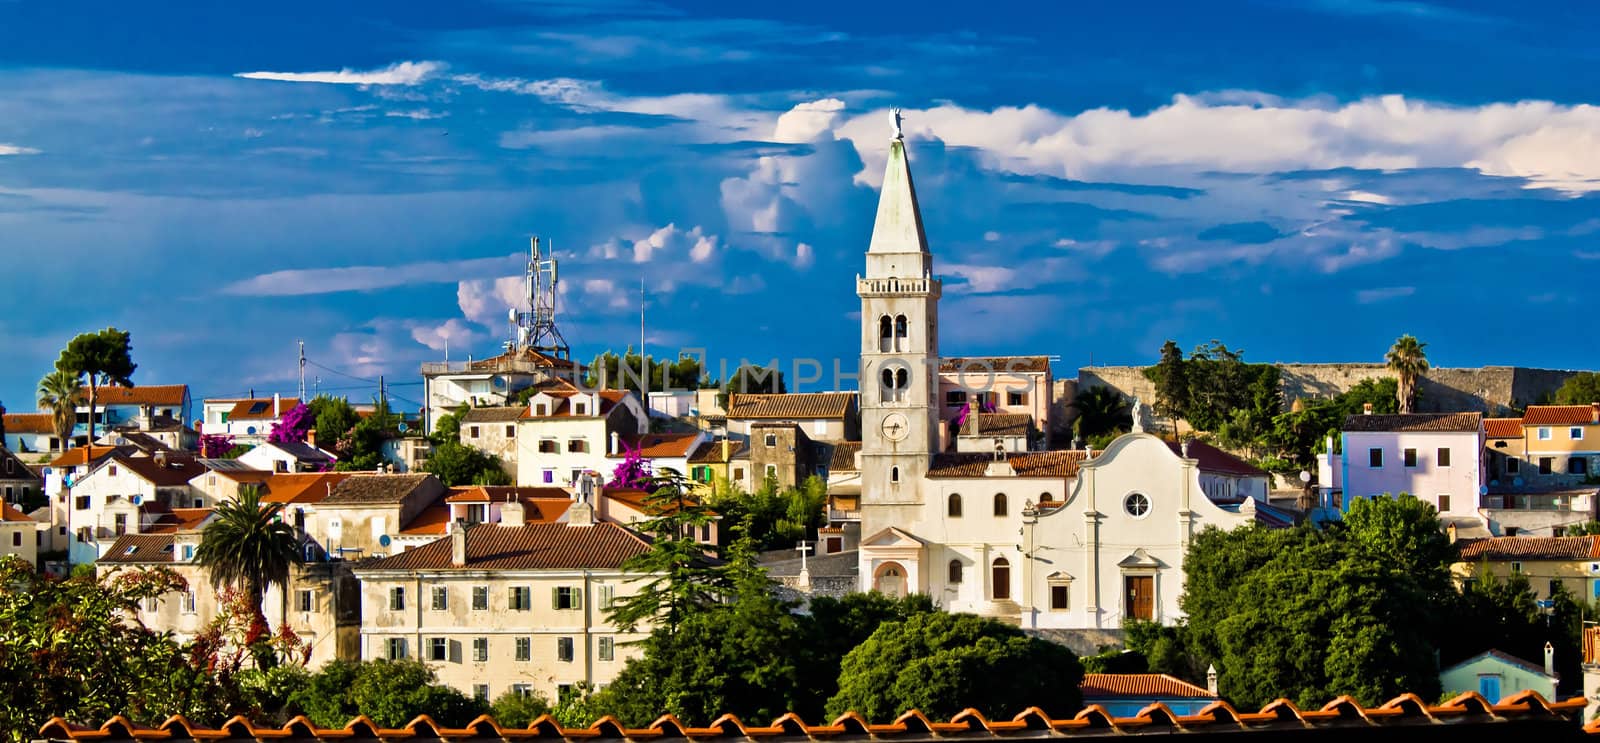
{"x": 955, "y": 397}
{"x": 480, "y": 649}
{"x": 541, "y": 409}
{"x": 1544, "y": 434}
{"x": 607, "y": 595}
{"x": 955, "y": 572}
{"x": 1374, "y": 457}
{"x": 835, "y": 545}
{"x": 16, "y": 539}
{"x": 1575, "y": 433}
{"x": 568, "y": 597}
{"x": 564, "y": 649}
{"x": 770, "y": 439}
{"x": 953, "y": 509}
{"x": 999, "y": 504}
{"x": 885, "y": 332}
{"x": 1016, "y": 398}
{"x": 82, "y": 502}
{"x": 608, "y": 648}
{"x": 1058, "y": 598}
{"x": 1136, "y": 504}
{"x": 477, "y": 513}
{"x": 549, "y": 476}
{"x": 894, "y": 474}
{"x": 480, "y": 598}
{"x": 549, "y": 446}
{"x": 397, "y": 648}
{"x": 1443, "y": 457}
{"x": 523, "y": 690}
{"x": 1512, "y": 531}
{"x": 480, "y": 692}
{"x": 303, "y": 600}
{"x": 1516, "y": 567}
{"x": 112, "y": 470}
{"x": 1444, "y": 502}
{"x": 577, "y": 446}
{"x": 738, "y": 474}
{"x": 895, "y": 383}
{"x": 521, "y": 598}
{"x": 524, "y": 649}
{"x": 121, "y": 523}
{"x": 580, "y": 409}
{"x": 1545, "y": 465}
{"x": 1577, "y": 466}
{"x": 397, "y": 599}
{"x": 1513, "y": 465}
{"x": 186, "y": 604}
{"x": 472, "y": 432}
{"x": 1000, "y": 579}
{"x": 438, "y": 648}
{"x": 1410, "y": 457}
{"x": 441, "y": 598}
{"x": 152, "y": 604}
{"x": 899, "y": 332}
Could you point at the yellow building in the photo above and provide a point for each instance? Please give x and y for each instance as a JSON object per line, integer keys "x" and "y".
{"x": 1573, "y": 562}
{"x": 1560, "y": 446}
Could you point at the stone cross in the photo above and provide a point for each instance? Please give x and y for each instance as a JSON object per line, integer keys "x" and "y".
{"x": 804, "y": 548}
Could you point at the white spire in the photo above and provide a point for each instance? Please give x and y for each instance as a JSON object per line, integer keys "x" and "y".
{"x": 898, "y": 228}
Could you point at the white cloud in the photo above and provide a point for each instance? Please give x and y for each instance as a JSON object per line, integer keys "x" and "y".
{"x": 299, "y": 282}
{"x": 487, "y": 301}
{"x": 421, "y": 114}
{"x": 715, "y": 117}
{"x": 1370, "y": 296}
{"x": 11, "y": 149}
{"x": 399, "y": 73}
{"x": 675, "y": 242}
{"x": 804, "y": 256}
{"x": 452, "y": 332}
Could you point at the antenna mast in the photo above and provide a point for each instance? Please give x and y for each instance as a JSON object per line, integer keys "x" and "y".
{"x": 302, "y": 397}
{"x": 536, "y": 329}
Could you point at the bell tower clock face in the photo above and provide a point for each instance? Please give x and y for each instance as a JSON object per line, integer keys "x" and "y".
{"x": 895, "y": 427}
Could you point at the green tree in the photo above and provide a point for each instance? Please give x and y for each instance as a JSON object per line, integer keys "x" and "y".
{"x": 394, "y": 692}
{"x": 455, "y": 464}
{"x": 834, "y": 627}
{"x": 1171, "y": 378}
{"x": 753, "y": 379}
{"x": 514, "y": 709}
{"x": 943, "y": 663}
{"x": 361, "y": 448}
{"x": 248, "y": 545}
{"x": 71, "y": 648}
{"x": 630, "y": 372}
{"x": 325, "y": 696}
{"x": 1407, "y": 359}
{"x": 334, "y": 418}
{"x": 448, "y": 427}
{"x": 103, "y": 358}
{"x": 679, "y": 577}
{"x": 1102, "y": 410}
{"x": 1579, "y": 389}
{"x": 59, "y": 393}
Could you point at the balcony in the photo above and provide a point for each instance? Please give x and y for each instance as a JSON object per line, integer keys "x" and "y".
{"x": 1582, "y": 501}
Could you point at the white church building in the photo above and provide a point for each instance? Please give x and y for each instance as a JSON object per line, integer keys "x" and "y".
{"x": 1059, "y": 539}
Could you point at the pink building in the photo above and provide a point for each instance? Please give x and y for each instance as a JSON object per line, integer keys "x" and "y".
{"x": 1434, "y": 456}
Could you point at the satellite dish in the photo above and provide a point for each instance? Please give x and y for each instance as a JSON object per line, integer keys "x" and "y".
{"x": 512, "y": 315}
{"x": 45, "y": 471}
{"x": 403, "y": 428}
{"x": 499, "y": 382}
{"x": 384, "y": 540}
{"x": 136, "y": 499}
{"x": 251, "y": 430}
{"x": 1483, "y": 490}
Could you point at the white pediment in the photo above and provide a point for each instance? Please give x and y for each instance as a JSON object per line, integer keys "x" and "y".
{"x": 1140, "y": 559}
{"x": 891, "y": 537}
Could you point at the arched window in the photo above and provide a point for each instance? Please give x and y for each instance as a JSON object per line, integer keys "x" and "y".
{"x": 890, "y": 580}
{"x": 900, "y": 332}
{"x": 884, "y": 333}
{"x": 1043, "y": 497}
{"x": 894, "y": 474}
{"x": 999, "y": 504}
{"x": 895, "y": 381}
{"x": 1000, "y": 579}
{"x": 954, "y": 508}
{"x": 955, "y": 572}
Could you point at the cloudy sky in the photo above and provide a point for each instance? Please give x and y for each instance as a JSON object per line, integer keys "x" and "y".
{"x": 1304, "y": 180}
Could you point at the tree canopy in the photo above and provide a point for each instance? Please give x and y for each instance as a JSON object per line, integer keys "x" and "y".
{"x": 102, "y": 358}
{"x": 1408, "y": 360}
{"x": 630, "y": 372}
{"x": 455, "y": 464}
{"x": 1580, "y": 389}
{"x": 248, "y": 545}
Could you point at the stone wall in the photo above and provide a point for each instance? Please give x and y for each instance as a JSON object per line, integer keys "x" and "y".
{"x": 1084, "y": 642}
{"x": 1492, "y": 390}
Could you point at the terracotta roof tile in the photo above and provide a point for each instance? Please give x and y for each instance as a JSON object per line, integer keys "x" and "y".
{"x": 1461, "y": 718}
{"x": 87, "y": 454}
{"x": 526, "y": 547}
{"x": 1212, "y": 459}
{"x": 504, "y": 414}
{"x": 1429, "y": 422}
{"x": 997, "y": 424}
{"x": 302, "y": 487}
{"x": 802, "y": 405}
{"x": 528, "y": 355}
{"x": 139, "y": 548}
{"x": 168, "y": 469}
{"x": 844, "y": 456}
{"x": 7, "y": 513}
{"x": 434, "y": 519}
{"x": 499, "y": 493}
{"x": 29, "y": 423}
{"x": 660, "y": 445}
{"x": 976, "y": 365}
{"x": 1052, "y": 464}
{"x": 364, "y": 490}
{"x": 1140, "y": 685}
{"x": 179, "y": 519}
{"x": 1503, "y": 428}
{"x": 1529, "y": 548}
{"x": 710, "y": 452}
{"x": 149, "y": 394}
{"x": 1544, "y": 415}
{"x": 261, "y": 408}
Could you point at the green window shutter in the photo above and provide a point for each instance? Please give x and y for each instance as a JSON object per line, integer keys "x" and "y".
{"x": 555, "y": 598}
{"x": 577, "y": 598}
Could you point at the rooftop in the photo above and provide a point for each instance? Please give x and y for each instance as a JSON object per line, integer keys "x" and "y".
{"x": 792, "y": 405}
{"x": 302, "y": 487}
{"x": 844, "y": 456}
{"x": 659, "y": 445}
{"x": 368, "y": 490}
{"x": 87, "y": 454}
{"x": 1503, "y": 428}
{"x": 7, "y": 513}
{"x": 170, "y": 469}
{"x": 997, "y": 424}
{"x": 527, "y": 547}
{"x": 1529, "y": 548}
{"x": 1212, "y": 459}
{"x": 1525, "y": 714}
{"x": 502, "y": 414}
{"x": 261, "y": 408}
{"x": 152, "y": 394}
{"x": 139, "y": 548}
{"x": 1042, "y": 464}
{"x": 710, "y": 451}
{"x": 1102, "y": 685}
{"x": 29, "y": 423}
{"x": 1415, "y": 422}
{"x": 1544, "y": 415}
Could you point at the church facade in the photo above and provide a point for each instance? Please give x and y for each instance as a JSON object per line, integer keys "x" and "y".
{"x": 1066, "y": 539}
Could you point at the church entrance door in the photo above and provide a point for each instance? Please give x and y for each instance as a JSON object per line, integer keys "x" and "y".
{"x": 1141, "y": 596}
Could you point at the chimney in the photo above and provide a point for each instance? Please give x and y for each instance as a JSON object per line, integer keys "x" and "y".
{"x": 1549, "y": 659}
{"x": 612, "y": 447}
{"x": 160, "y": 458}
{"x": 727, "y": 450}
{"x": 1211, "y": 679}
{"x": 458, "y": 544}
{"x": 513, "y": 513}
{"x": 580, "y": 514}
{"x": 311, "y": 438}
{"x": 1366, "y": 408}
{"x": 1594, "y": 413}
{"x": 277, "y": 405}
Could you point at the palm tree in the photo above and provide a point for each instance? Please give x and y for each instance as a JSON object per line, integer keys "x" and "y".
{"x": 59, "y": 393}
{"x": 1407, "y": 360}
{"x": 1101, "y": 410}
{"x": 248, "y": 545}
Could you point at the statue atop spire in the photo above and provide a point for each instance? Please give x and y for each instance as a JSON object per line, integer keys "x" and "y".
{"x": 895, "y": 113}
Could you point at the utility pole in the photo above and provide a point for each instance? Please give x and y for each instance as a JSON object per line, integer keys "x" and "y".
{"x": 302, "y": 371}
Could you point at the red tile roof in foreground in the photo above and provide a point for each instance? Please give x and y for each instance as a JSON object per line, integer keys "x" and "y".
{"x": 1099, "y": 685}
{"x": 1503, "y": 428}
{"x": 1530, "y": 548}
{"x": 1544, "y": 415}
{"x": 1525, "y": 712}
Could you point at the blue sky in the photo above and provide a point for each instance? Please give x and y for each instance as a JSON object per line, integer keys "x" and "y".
{"x": 1303, "y": 180}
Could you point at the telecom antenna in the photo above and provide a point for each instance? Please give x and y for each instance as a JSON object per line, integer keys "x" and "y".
{"x": 536, "y": 329}
{"x": 303, "y": 372}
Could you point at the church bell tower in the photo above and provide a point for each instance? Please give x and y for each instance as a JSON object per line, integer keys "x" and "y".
{"x": 899, "y": 352}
